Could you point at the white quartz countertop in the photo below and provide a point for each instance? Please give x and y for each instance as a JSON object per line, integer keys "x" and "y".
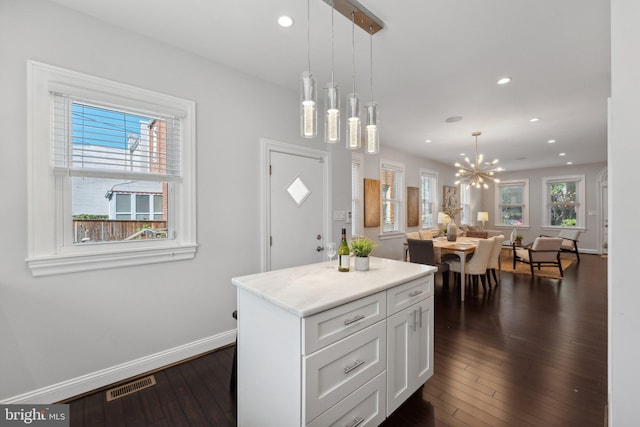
{"x": 310, "y": 289}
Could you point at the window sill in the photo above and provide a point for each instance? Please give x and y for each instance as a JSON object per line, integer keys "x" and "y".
{"x": 391, "y": 235}
{"x": 88, "y": 261}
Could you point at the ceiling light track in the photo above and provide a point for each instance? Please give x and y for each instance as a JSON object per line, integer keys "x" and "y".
{"x": 364, "y": 18}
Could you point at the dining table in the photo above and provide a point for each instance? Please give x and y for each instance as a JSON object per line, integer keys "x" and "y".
{"x": 461, "y": 247}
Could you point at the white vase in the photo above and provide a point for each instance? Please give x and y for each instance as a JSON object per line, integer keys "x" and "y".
{"x": 361, "y": 263}
{"x": 452, "y": 231}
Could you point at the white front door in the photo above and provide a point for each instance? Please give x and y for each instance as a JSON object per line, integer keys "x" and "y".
{"x": 297, "y": 209}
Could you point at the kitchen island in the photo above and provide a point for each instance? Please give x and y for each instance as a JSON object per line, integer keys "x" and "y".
{"x": 318, "y": 347}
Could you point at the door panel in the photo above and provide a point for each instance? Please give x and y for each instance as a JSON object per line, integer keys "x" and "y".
{"x": 297, "y": 209}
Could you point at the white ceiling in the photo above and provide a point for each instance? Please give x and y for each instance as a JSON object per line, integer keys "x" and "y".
{"x": 434, "y": 59}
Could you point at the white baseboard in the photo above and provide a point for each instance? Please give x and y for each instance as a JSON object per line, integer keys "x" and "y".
{"x": 95, "y": 380}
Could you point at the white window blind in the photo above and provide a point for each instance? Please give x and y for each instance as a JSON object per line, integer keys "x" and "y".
{"x": 356, "y": 195}
{"x": 105, "y": 141}
{"x": 391, "y": 187}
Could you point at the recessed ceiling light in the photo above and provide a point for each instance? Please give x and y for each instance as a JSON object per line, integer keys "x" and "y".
{"x": 551, "y": 141}
{"x": 562, "y": 154}
{"x": 427, "y": 141}
{"x": 569, "y": 163}
{"x": 453, "y": 119}
{"x": 504, "y": 80}
{"x": 462, "y": 154}
{"x": 535, "y": 119}
{"x": 285, "y": 21}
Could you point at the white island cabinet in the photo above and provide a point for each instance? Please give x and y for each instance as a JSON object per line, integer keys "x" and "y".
{"x": 318, "y": 347}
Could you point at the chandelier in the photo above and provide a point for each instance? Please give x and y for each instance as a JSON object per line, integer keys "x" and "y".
{"x": 476, "y": 174}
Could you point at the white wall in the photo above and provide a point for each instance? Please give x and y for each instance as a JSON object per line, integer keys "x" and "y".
{"x": 589, "y": 238}
{"x": 117, "y": 322}
{"x": 393, "y": 247}
{"x": 624, "y": 152}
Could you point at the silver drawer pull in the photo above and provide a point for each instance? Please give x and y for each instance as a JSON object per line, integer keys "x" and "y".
{"x": 357, "y": 363}
{"x": 415, "y": 293}
{"x": 355, "y": 319}
{"x": 356, "y": 422}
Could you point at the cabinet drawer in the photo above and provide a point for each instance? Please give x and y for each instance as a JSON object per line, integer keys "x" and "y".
{"x": 332, "y": 325}
{"x": 337, "y": 370}
{"x": 364, "y": 407}
{"x": 403, "y": 296}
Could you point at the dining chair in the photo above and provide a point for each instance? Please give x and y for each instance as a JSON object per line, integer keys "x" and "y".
{"x": 543, "y": 251}
{"x": 476, "y": 267}
{"x": 494, "y": 259}
{"x": 423, "y": 252}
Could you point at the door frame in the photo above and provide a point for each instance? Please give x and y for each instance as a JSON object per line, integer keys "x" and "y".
{"x": 267, "y": 146}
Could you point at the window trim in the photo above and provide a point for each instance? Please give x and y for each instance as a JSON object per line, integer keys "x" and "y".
{"x": 466, "y": 216}
{"x": 47, "y": 252}
{"x": 398, "y": 168}
{"x": 580, "y": 213}
{"x": 525, "y": 208}
{"x": 431, "y": 174}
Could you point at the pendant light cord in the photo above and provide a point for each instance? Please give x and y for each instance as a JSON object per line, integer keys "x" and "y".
{"x": 308, "y": 39}
{"x": 371, "y": 59}
{"x": 332, "y": 10}
{"x": 353, "y": 50}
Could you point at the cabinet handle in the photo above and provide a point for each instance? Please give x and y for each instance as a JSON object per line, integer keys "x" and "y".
{"x": 420, "y": 316}
{"x": 355, "y": 319}
{"x": 415, "y": 293}
{"x": 356, "y": 422}
{"x": 357, "y": 363}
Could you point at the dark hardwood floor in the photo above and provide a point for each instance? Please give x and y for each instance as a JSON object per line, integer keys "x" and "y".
{"x": 531, "y": 352}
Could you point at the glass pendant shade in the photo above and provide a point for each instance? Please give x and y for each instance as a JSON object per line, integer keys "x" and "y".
{"x": 354, "y": 125}
{"x": 308, "y": 103}
{"x": 371, "y": 131}
{"x": 332, "y": 114}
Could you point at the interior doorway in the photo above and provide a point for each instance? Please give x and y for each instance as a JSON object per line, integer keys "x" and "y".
{"x": 295, "y": 205}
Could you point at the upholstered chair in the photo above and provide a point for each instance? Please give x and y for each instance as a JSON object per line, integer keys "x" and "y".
{"x": 543, "y": 251}
{"x": 476, "y": 267}
{"x": 494, "y": 259}
{"x": 423, "y": 252}
{"x": 569, "y": 241}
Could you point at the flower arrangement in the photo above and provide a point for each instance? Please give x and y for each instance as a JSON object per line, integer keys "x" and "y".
{"x": 451, "y": 210}
{"x": 362, "y": 246}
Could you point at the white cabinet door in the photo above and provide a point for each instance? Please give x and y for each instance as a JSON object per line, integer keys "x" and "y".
{"x": 424, "y": 341}
{"x": 409, "y": 352}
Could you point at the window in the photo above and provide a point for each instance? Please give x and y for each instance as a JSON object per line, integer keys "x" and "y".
{"x": 115, "y": 165}
{"x": 392, "y": 187}
{"x": 512, "y": 203}
{"x": 428, "y": 198}
{"x": 465, "y": 204}
{"x": 356, "y": 194}
{"x": 563, "y": 197}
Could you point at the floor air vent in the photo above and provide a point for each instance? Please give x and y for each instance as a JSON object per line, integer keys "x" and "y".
{"x": 130, "y": 388}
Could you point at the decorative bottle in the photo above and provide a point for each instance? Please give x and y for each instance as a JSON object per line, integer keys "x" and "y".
{"x": 343, "y": 252}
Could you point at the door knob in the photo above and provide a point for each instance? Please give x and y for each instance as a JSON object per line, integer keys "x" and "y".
{"x": 320, "y": 249}
{"x": 318, "y": 237}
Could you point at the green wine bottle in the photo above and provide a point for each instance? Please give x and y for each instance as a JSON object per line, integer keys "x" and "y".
{"x": 343, "y": 253}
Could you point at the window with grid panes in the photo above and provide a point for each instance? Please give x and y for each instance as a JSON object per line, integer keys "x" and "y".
{"x": 428, "y": 198}
{"x": 512, "y": 203}
{"x": 392, "y": 194}
{"x": 115, "y": 164}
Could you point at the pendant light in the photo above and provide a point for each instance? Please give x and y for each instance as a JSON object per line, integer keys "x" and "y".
{"x": 372, "y": 135}
{"x": 332, "y": 102}
{"x": 354, "y": 125}
{"x": 476, "y": 174}
{"x": 308, "y": 96}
